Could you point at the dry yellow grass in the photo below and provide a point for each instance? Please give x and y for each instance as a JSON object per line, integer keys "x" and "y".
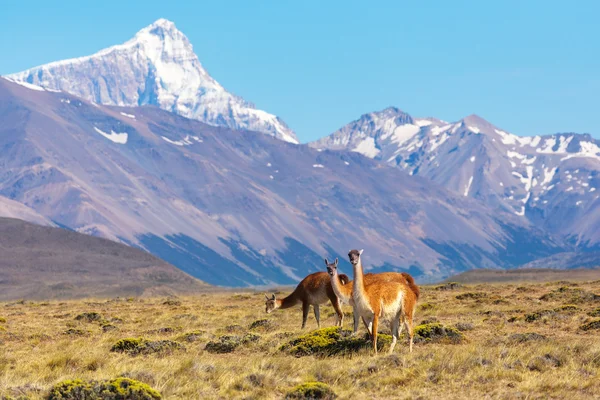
{"x": 36, "y": 353}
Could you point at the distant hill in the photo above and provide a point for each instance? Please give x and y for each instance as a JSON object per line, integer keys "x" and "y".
{"x": 525, "y": 275}
{"x": 40, "y": 262}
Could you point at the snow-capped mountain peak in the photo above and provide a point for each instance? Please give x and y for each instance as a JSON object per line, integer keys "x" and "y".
{"x": 157, "y": 66}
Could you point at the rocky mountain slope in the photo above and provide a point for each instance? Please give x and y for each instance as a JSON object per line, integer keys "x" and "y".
{"x": 550, "y": 180}
{"x": 158, "y": 67}
{"x": 239, "y": 208}
{"x": 38, "y": 262}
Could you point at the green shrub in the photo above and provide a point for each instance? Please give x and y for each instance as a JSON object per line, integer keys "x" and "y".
{"x": 115, "y": 389}
{"x": 330, "y": 341}
{"x": 593, "y": 325}
{"x": 311, "y": 390}
{"x": 436, "y": 332}
{"x": 136, "y": 346}
{"x": 2, "y": 320}
{"x": 89, "y": 317}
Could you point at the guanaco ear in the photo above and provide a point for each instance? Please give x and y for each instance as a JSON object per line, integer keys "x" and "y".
{"x": 273, "y": 297}
{"x": 335, "y": 262}
{"x": 326, "y": 262}
{"x": 360, "y": 252}
{"x": 266, "y": 297}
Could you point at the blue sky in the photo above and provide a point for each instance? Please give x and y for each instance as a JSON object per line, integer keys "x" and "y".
{"x": 529, "y": 67}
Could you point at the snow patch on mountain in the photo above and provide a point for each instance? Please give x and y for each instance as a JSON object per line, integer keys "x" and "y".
{"x": 158, "y": 67}
{"x": 120, "y": 138}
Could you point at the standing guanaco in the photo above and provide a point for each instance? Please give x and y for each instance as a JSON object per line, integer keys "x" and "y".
{"x": 391, "y": 301}
{"x": 343, "y": 291}
{"x": 313, "y": 290}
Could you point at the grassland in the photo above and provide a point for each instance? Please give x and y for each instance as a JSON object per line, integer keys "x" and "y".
{"x": 521, "y": 341}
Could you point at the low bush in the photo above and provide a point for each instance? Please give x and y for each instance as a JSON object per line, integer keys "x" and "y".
{"x": 311, "y": 390}
{"x": 471, "y": 296}
{"x": 115, "y": 389}
{"x": 228, "y": 343}
{"x": 263, "y": 324}
{"x": 526, "y": 337}
{"x": 331, "y": 341}
{"x": 137, "y": 346}
{"x": 593, "y": 325}
{"x": 436, "y": 332}
{"x": 89, "y": 317}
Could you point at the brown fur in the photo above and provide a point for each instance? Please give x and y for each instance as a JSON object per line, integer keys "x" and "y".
{"x": 315, "y": 289}
{"x": 380, "y": 298}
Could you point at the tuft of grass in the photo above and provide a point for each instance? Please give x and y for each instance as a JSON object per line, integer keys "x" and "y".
{"x": 115, "y": 389}
{"x": 311, "y": 390}
{"x": 2, "y": 320}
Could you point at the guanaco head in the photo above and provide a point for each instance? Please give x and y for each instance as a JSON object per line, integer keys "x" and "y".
{"x": 332, "y": 269}
{"x": 354, "y": 256}
{"x": 271, "y": 304}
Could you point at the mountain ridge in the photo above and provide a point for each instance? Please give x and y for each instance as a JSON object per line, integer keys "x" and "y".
{"x": 238, "y": 208}
{"x": 157, "y": 66}
{"x": 533, "y": 177}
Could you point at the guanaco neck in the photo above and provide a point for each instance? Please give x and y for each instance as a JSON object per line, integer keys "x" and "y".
{"x": 343, "y": 292}
{"x": 289, "y": 301}
{"x": 358, "y": 290}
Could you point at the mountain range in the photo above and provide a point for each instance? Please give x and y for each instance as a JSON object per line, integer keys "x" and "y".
{"x": 550, "y": 180}
{"x": 138, "y": 144}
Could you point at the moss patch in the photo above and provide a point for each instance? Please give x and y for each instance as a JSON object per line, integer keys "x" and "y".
{"x": 136, "y": 346}
{"x": 311, "y": 390}
{"x": 115, "y": 389}
{"x": 330, "y": 341}
{"x": 438, "y": 333}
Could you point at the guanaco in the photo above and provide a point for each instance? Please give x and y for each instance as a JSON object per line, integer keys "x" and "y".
{"x": 343, "y": 291}
{"x": 391, "y": 301}
{"x": 313, "y": 290}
